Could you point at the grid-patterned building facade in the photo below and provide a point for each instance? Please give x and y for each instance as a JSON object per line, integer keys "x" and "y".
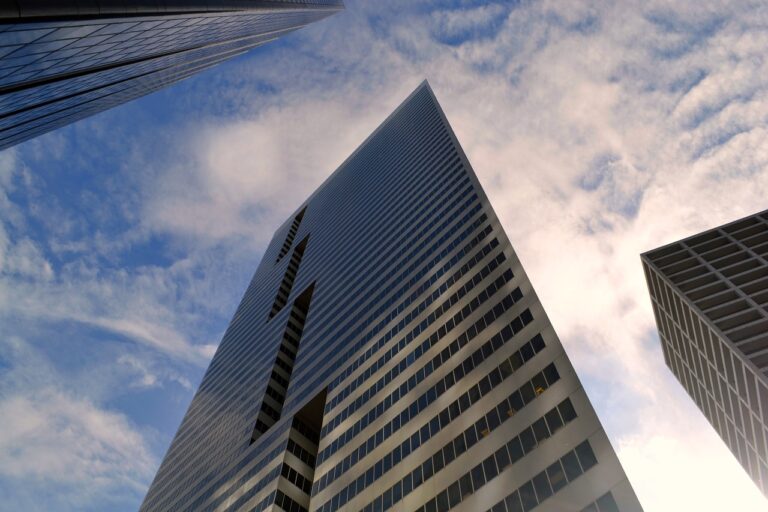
{"x": 709, "y": 294}
{"x": 61, "y": 61}
{"x": 390, "y": 353}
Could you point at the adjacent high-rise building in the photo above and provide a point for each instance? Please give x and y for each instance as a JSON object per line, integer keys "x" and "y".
{"x": 391, "y": 353}
{"x": 710, "y": 297}
{"x": 64, "y": 60}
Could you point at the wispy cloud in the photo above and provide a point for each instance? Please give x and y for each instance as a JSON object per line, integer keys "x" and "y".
{"x": 59, "y": 450}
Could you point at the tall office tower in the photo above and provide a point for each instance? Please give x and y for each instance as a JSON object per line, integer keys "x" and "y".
{"x": 63, "y": 60}
{"x": 390, "y": 353}
{"x": 710, "y": 297}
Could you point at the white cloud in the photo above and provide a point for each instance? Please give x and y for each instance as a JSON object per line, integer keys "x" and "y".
{"x": 56, "y": 440}
{"x": 148, "y": 373}
{"x": 467, "y": 22}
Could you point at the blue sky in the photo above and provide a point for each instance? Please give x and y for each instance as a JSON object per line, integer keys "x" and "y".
{"x": 599, "y": 131}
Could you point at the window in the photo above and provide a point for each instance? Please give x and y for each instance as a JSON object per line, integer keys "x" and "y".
{"x": 586, "y": 455}
{"x": 489, "y": 466}
{"x": 515, "y": 449}
{"x": 567, "y": 410}
{"x": 516, "y": 401}
{"x": 465, "y": 484}
{"x": 553, "y": 419}
{"x": 571, "y": 466}
{"x": 556, "y": 476}
{"x": 607, "y": 503}
{"x": 528, "y": 392}
{"x": 527, "y": 439}
{"x": 528, "y": 496}
{"x": 513, "y": 502}
{"x": 478, "y": 480}
{"x": 541, "y": 484}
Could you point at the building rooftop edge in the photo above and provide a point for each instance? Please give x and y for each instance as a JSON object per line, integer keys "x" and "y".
{"x": 645, "y": 254}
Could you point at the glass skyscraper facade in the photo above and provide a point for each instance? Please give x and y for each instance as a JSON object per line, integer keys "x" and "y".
{"x": 709, "y": 294}
{"x": 63, "y": 61}
{"x": 390, "y": 353}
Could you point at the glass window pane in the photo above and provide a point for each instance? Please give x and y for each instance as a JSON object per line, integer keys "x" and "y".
{"x": 567, "y": 411}
{"x": 528, "y": 496}
{"x": 527, "y": 440}
{"x": 541, "y": 484}
{"x": 540, "y": 430}
{"x": 554, "y": 422}
{"x": 607, "y": 503}
{"x": 571, "y": 466}
{"x": 513, "y": 502}
{"x": 556, "y": 476}
{"x": 586, "y": 455}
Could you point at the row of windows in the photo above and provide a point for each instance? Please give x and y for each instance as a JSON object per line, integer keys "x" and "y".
{"x": 296, "y": 478}
{"x": 78, "y": 97}
{"x": 276, "y": 395}
{"x": 268, "y": 479}
{"x": 286, "y": 503}
{"x": 459, "y": 406}
{"x": 279, "y": 379}
{"x": 297, "y": 425}
{"x": 303, "y": 455}
{"x": 416, "y": 276}
{"x": 376, "y": 262}
{"x": 461, "y": 403}
{"x": 270, "y": 411}
{"x": 308, "y": 432}
{"x": 439, "y": 334}
{"x": 37, "y": 64}
{"x": 85, "y": 100}
{"x": 443, "y": 418}
{"x": 562, "y": 472}
{"x": 604, "y": 503}
{"x": 469, "y": 265}
{"x": 436, "y": 201}
{"x": 397, "y": 280}
{"x": 264, "y": 504}
{"x": 438, "y": 389}
{"x": 470, "y": 482}
{"x": 47, "y": 58}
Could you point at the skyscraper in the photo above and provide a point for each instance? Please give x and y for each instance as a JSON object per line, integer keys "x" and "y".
{"x": 61, "y": 61}
{"x": 390, "y": 353}
{"x": 710, "y": 297}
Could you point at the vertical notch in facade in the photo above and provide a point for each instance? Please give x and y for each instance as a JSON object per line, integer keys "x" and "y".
{"x": 298, "y": 471}
{"x": 291, "y": 234}
{"x": 290, "y": 275}
{"x": 277, "y": 387}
